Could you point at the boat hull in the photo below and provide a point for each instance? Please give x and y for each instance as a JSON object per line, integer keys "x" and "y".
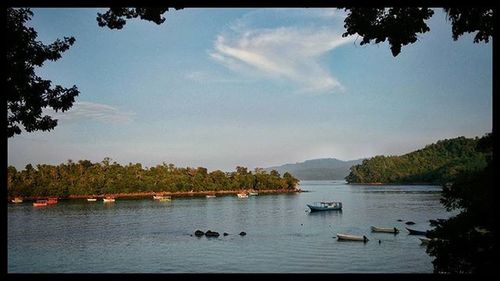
{"x": 416, "y": 232}
{"x": 318, "y": 208}
{"x": 348, "y": 237}
{"x": 385, "y": 230}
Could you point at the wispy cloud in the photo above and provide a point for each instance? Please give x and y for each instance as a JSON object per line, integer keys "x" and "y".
{"x": 83, "y": 110}
{"x": 292, "y": 53}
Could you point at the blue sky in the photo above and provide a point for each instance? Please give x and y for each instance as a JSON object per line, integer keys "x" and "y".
{"x": 253, "y": 87}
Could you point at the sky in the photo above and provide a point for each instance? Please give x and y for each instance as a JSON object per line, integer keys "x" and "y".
{"x": 222, "y": 87}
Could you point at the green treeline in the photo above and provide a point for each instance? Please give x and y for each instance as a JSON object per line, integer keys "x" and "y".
{"x": 437, "y": 163}
{"x": 87, "y": 178}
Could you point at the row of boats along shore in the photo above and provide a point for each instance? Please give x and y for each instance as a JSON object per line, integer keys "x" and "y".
{"x": 109, "y": 199}
{"x": 337, "y": 206}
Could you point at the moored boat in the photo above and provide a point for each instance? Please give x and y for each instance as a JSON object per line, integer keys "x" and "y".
{"x": 416, "y": 232}
{"x": 165, "y": 199}
{"x": 52, "y": 200}
{"x": 91, "y": 199}
{"x": 325, "y": 206}
{"x": 425, "y": 240}
{"x": 385, "y": 230}
{"x": 40, "y": 203}
{"x": 253, "y": 193}
{"x": 242, "y": 195}
{"x": 159, "y": 197}
{"x": 17, "y": 200}
{"x": 348, "y": 237}
{"x": 210, "y": 196}
{"x": 108, "y": 199}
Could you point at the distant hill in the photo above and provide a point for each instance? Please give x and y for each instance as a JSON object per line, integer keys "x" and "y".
{"x": 437, "y": 163}
{"x": 318, "y": 169}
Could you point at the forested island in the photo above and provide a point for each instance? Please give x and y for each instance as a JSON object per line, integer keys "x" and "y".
{"x": 437, "y": 163}
{"x": 84, "y": 178}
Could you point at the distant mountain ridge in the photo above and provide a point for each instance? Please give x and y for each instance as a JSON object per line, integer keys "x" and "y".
{"x": 318, "y": 169}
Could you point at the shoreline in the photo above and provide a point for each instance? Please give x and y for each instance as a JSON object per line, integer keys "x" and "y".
{"x": 383, "y": 183}
{"x": 172, "y": 194}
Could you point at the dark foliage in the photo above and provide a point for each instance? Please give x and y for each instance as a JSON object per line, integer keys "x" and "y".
{"x": 437, "y": 163}
{"x": 87, "y": 178}
{"x": 466, "y": 243}
{"x": 116, "y": 17}
{"x": 401, "y": 25}
{"x": 397, "y": 25}
{"x": 27, "y": 94}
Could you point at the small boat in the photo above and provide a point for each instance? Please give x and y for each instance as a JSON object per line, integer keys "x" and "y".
{"x": 242, "y": 195}
{"x": 165, "y": 199}
{"x": 52, "y": 200}
{"x": 17, "y": 200}
{"x": 385, "y": 230}
{"x": 348, "y": 237}
{"x": 210, "y": 196}
{"x": 425, "y": 240}
{"x": 159, "y": 197}
{"x": 40, "y": 203}
{"x": 325, "y": 206}
{"x": 108, "y": 199}
{"x": 253, "y": 193}
{"x": 416, "y": 232}
{"x": 91, "y": 199}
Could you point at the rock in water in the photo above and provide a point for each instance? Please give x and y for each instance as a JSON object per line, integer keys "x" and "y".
{"x": 410, "y": 223}
{"x": 243, "y": 233}
{"x": 199, "y": 233}
{"x": 210, "y": 233}
{"x": 225, "y": 234}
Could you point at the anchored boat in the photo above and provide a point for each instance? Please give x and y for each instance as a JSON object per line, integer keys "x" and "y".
{"x": 325, "y": 206}
{"x": 385, "y": 230}
{"x": 416, "y": 232}
{"x": 348, "y": 237}
{"x": 108, "y": 199}
{"x": 17, "y": 200}
{"x": 40, "y": 203}
{"x": 242, "y": 195}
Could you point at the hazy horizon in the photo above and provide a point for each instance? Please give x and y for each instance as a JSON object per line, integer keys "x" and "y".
{"x": 220, "y": 88}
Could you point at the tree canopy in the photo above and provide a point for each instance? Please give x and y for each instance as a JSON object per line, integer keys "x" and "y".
{"x": 400, "y": 26}
{"x": 437, "y": 163}
{"x": 466, "y": 243}
{"x": 87, "y": 178}
{"x": 27, "y": 93}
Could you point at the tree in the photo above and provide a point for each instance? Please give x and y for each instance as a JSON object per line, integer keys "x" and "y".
{"x": 466, "y": 243}
{"x": 400, "y": 25}
{"x": 115, "y": 18}
{"x": 27, "y": 93}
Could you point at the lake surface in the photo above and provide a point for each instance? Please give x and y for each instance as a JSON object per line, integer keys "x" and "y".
{"x": 148, "y": 236}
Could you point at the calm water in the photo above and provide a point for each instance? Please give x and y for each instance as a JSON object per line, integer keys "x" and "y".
{"x": 150, "y": 236}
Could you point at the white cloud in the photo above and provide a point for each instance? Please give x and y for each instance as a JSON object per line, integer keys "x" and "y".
{"x": 83, "y": 110}
{"x": 291, "y": 53}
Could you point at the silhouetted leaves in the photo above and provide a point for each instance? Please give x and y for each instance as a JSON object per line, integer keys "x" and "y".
{"x": 401, "y": 25}
{"x": 470, "y": 20}
{"x": 397, "y": 25}
{"x": 27, "y": 93}
{"x": 116, "y": 17}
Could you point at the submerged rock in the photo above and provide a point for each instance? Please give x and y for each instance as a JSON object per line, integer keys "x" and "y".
{"x": 199, "y": 233}
{"x": 210, "y": 233}
{"x": 243, "y": 233}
